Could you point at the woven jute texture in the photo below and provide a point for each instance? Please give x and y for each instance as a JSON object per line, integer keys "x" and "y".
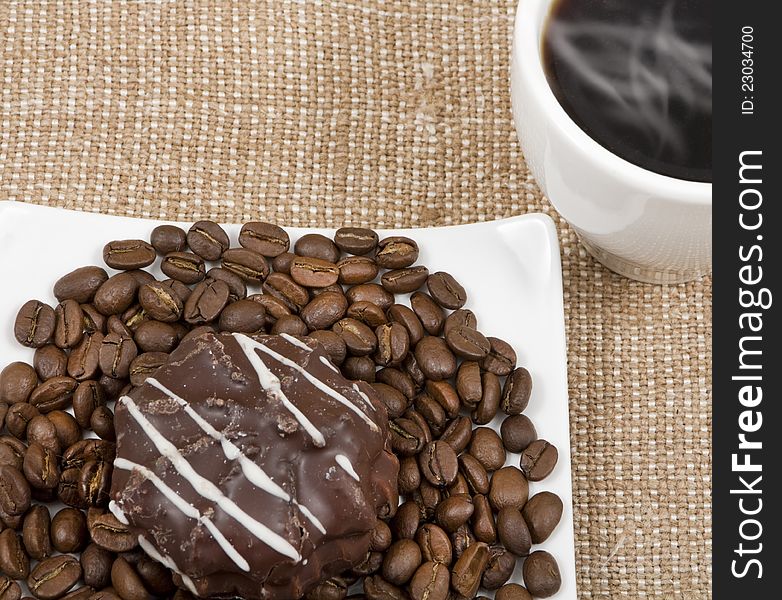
{"x": 385, "y": 114}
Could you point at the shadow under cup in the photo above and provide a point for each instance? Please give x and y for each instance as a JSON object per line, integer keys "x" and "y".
{"x": 642, "y": 224}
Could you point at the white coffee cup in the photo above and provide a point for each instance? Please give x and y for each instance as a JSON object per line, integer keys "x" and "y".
{"x": 641, "y": 224}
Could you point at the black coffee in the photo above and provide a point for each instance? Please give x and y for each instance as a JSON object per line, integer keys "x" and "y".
{"x": 636, "y": 77}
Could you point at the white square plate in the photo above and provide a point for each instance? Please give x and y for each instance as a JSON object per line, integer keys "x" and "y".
{"x": 510, "y": 269}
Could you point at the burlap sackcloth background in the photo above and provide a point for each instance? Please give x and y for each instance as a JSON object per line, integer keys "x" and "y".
{"x": 378, "y": 113}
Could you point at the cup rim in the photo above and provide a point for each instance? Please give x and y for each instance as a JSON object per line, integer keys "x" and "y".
{"x": 528, "y": 64}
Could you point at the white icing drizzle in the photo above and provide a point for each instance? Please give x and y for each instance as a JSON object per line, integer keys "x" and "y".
{"x": 271, "y": 383}
{"x": 166, "y": 560}
{"x": 327, "y": 362}
{"x": 254, "y": 474}
{"x": 186, "y": 508}
{"x": 364, "y": 397}
{"x": 117, "y": 512}
{"x": 293, "y": 341}
{"x": 344, "y": 462}
{"x": 311, "y": 378}
{"x": 206, "y": 488}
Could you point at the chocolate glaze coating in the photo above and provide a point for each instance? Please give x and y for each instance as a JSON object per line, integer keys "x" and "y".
{"x": 344, "y": 484}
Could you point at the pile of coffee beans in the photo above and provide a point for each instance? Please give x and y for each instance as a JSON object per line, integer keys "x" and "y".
{"x": 465, "y": 518}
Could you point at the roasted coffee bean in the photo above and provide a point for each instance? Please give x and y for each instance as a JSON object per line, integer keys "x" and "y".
{"x": 380, "y": 537}
{"x": 355, "y": 270}
{"x": 334, "y": 287}
{"x": 517, "y": 390}
{"x": 393, "y": 344}
{"x": 96, "y": 566}
{"x": 108, "y": 594}
{"x": 330, "y": 589}
{"x": 84, "y": 451}
{"x": 142, "y": 277}
{"x": 177, "y": 287}
{"x": 290, "y": 324}
{"x": 116, "y": 354}
{"x": 438, "y": 463}
{"x": 243, "y": 316}
{"x": 40, "y": 467}
{"x": 430, "y": 582}
{"x": 69, "y": 530}
{"x": 69, "y": 324}
{"x": 517, "y": 433}
{"x": 355, "y": 240}
{"x": 49, "y": 361}
{"x": 509, "y": 487}
{"x": 411, "y": 368}
{"x": 459, "y": 486}
{"x": 14, "y": 496}
{"x": 513, "y": 531}
{"x": 332, "y": 343}
{"x": 68, "y": 488}
{"x": 454, "y": 511}
{"x": 407, "y": 438}
{"x": 396, "y": 252}
{"x": 359, "y": 367}
{"x": 466, "y": 573}
{"x": 490, "y": 399}
{"x": 359, "y": 339}
{"x": 102, "y": 423}
{"x": 435, "y": 359}
{"x": 114, "y": 324}
{"x": 434, "y": 543}
{"x": 483, "y": 520}
{"x": 156, "y": 336}
{"x": 126, "y": 581}
{"x": 206, "y": 302}
{"x": 94, "y": 482}
{"x": 9, "y": 589}
{"x": 313, "y": 272}
{"x": 184, "y": 266}
{"x": 458, "y": 433}
{"x": 14, "y": 561}
{"x": 54, "y": 576}
{"x": 409, "y": 477}
{"x": 427, "y": 497}
{"x": 399, "y": 380}
{"x": 446, "y": 291}
{"x": 80, "y": 285}
{"x": 541, "y": 574}
{"x": 462, "y": 317}
{"x": 282, "y": 263}
{"x": 461, "y": 539}
{"x": 542, "y": 513}
{"x": 432, "y": 412}
{"x": 155, "y": 577}
{"x": 35, "y": 324}
{"x": 12, "y": 451}
{"x": 94, "y": 321}
{"x": 467, "y": 343}
{"x": 428, "y": 312}
{"x": 40, "y": 429}
{"x": 116, "y": 294}
{"x": 395, "y": 401}
{"x": 401, "y": 561}
{"x": 293, "y": 296}
{"x": 501, "y": 359}
{"x": 168, "y": 238}
{"x": 79, "y": 593}
{"x": 317, "y": 246}
{"x": 125, "y": 255}
{"x": 54, "y": 394}
{"x": 235, "y": 283}
{"x": 538, "y": 460}
{"x": 160, "y": 302}
{"x": 134, "y": 317}
{"x": 65, "y": 426}
{"x": 18, "y": 417}
{"x": 419, "y": 420}
{"x": 370, "y": 292}
{"x": 371, "y": 564}
{"x": 474, "y": 474}
{"x": 443, "y": 393}
{"x": 84, "y": 359}
{"x": 109, "y": 533}
{"x": 87, "y": 397}
{"x": 486, "y": 446}
{"x": 143, "y": 366}
{"x": 3, "y": 413}
{"x": 366, "y": 312}
{"x": 512, "y": 591}
{"x": 469, "y": 384}
{"x": 404, "y": 281}
{"x": 17, "y": 382}
{"x": 377, "y": 588}
{"x": 264, "y": 238}
{"x": 208, "y": 240}
{"x": 324, "y": 310}
{"x": 406, "y": 520}
{"x": 35, "y": 532}
{"x": 399, "y": 313}
{"x": 500, "y": 568}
